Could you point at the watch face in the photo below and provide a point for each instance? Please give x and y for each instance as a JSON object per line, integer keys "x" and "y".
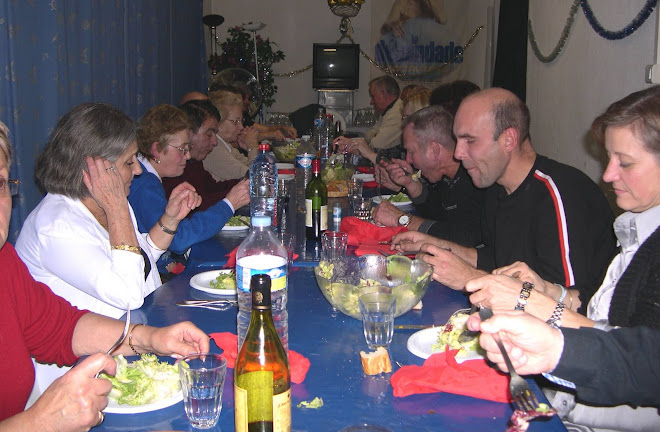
{"x": 404, "y": 219}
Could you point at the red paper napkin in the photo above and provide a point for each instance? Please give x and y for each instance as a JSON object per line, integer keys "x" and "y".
{"x": 365, "y": 170}
{"x": 370, "y": 184}
{"x": 441, "y": 373}
{"x": 374, "y": 249}
{"x": 228, "y": 343}
{"x": 231, "y": 258}
{"x": 365, "y": 233}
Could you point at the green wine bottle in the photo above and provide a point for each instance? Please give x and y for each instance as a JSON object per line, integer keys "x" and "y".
{"x": 262, "y": 382}
{"x": 316, "y": 204}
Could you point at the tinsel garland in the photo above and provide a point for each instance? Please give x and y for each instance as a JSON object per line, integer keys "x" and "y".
{"x": 627, "y": 30}
{"x": 562, "y": 39}
{"x": 385, "y": 69}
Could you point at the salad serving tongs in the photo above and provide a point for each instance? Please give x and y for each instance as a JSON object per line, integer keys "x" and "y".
{"x": 208, "y": 304}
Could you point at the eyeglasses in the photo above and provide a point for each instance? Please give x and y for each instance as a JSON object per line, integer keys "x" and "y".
{"x": 184, "y": 150}
{"x": 237, "y": 121}
{"x": 9, "y": 187}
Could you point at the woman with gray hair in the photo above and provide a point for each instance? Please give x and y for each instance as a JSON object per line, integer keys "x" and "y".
{"x": 82, "y": 239}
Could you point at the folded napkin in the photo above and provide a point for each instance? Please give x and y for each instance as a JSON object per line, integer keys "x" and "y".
{"x": 228, "y": 343}
{"x": 370, "y": 184}
{"x": 441, "y": 373}
{"x": 365, "y": 170}
{"x": 231, "y": 258}
{"x": 365, "y": 233}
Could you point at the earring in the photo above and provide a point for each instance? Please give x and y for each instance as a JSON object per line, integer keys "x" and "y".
{"x": 157, "y": 161}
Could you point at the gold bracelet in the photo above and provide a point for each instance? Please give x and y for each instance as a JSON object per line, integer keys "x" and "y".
{"x": 570, "y": 296}
{"x": 165, "y": 229}
{"x": 128, "y": 248}
{"x": 130, "y": 338}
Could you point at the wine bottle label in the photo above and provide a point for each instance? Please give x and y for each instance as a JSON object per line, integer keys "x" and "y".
{"x": 324, "y": 218}
{"x": 308, "y": 212}
{"x": 273, "y": 266}
{"x": 246, "y": 410}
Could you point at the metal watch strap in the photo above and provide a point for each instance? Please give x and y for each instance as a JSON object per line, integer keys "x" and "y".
{"x": 524, "y": 295}
{"x": 555, "y": 318}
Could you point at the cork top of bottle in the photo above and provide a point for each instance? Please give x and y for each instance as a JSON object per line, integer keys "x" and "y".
{"x": 260, "y": 288}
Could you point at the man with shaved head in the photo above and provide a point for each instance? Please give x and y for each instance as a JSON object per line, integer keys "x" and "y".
{"x": 537, "y": 210}
{"x": 193, "y": 95}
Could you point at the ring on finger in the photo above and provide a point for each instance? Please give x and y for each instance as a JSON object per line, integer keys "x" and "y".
{"x": 110, "y": 168}
{"x": 101, "y": 418}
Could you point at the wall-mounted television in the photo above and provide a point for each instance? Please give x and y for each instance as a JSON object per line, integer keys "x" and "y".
{"x": 336, "y": 66}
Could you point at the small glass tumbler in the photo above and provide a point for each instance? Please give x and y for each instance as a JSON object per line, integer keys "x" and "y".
{"x": 202, "y": 379}
{"x": 355, "y": 187}
{"x": 377, "y": 310}
{"x": 333, "y": 245}
{"x": 362, "y": 208}
{"x": 288, "y": 240}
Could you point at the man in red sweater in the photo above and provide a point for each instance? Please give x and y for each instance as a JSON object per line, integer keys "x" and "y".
{"x": 205, "y": 117}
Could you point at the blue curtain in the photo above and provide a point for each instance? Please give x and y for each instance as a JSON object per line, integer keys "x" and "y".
{"x": 56, "y": 54}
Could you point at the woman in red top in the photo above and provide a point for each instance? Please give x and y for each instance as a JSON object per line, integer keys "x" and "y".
{"x": 34, "y": 322}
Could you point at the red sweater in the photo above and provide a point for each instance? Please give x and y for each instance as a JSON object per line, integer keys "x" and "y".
{"x": 34, "y": 322}
{"x": 210, "y": 190}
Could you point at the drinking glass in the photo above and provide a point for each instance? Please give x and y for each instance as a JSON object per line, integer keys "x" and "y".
{"x": 202, "y": 379}
{"x": 288, "y": 240}
{"x": 333, "y": 245}
{"x": 355, "y": 187}
{"x": 362, "y": 208}
{"x": 377, "y": 310}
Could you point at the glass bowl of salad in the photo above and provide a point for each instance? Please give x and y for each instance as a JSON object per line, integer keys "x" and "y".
{"x": 343, "y": 280}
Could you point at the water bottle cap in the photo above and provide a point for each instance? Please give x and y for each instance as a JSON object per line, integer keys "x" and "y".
{"x": 264, "y": 146}
{"x": 260, "y": 221}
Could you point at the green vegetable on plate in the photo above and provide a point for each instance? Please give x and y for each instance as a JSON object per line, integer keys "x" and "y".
{"x": 224, "y": 281}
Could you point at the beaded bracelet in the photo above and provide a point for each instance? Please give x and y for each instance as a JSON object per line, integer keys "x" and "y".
{"x": 524, "y": 295}
{"x": 127, "y": 248}
{"x": 555, "y": 318}
{"x": 165, "y": 229}
{"x": 130, "y": 338}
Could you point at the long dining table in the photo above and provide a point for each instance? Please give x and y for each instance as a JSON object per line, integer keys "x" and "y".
{"x": 332, "y": 343}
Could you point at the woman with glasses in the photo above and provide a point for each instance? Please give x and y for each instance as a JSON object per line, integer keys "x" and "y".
{"x": 228, "y": 161}
{"x": 82, "y": 239}
{"x": 164, "y": 137}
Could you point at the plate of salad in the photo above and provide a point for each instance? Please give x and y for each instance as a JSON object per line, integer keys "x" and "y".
{"x": 237, "y": 223}
{"x": 143, "y": 384}
{"x": 399, "y": 200}
{"x": 218, "y": 282}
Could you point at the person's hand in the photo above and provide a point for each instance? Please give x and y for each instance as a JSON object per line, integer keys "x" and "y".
{"x": 73, "y": 402}
{"x": 495, "y": 291}
{"x": 448, "y": 268}
{"x": 105, "y": 184}
{"x": 533, "y": 346}
{"x": 239, "y": 195}
{"x": 522, "y": 271}
{"x": 248, "y": 138}
{"x": 387, "y": 214}
{"x": 345, "y": 145}
{"x": 411, "y": 242}
{"x": 381, "y": 176}
{"x": 397, "y": 172}
{"x": 177, "y": 340}
{"x": 182, "y": 200}
{"x": 289, "y": 131}
{"x": 275, "y": 135}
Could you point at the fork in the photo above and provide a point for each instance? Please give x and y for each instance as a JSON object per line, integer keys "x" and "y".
{"x": 521, "y": 393}
{"x": 122, "y": 337}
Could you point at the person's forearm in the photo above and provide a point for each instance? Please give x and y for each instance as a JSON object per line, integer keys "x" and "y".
{"x": 161, "y": 238}
{"x": 120, "y": 227}
{"x": 97, "y": 333}
{"x": 24, "y": 422}
{"x": 468, "y": 254}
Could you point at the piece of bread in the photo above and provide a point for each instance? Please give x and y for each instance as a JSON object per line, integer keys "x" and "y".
{"x": 376, "y": 362}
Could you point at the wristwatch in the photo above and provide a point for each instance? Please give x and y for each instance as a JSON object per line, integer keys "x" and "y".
{"x": 404, "y": 220}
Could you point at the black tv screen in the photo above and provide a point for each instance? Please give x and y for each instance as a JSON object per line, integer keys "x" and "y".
{"x": 336, "y": 66}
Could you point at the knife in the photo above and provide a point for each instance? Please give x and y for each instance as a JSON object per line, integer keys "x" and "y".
{"x": 414, "y": 326}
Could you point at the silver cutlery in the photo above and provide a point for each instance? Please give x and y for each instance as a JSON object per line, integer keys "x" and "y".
{"x": 521, "y": 393}
{"x": 122, "y": 337}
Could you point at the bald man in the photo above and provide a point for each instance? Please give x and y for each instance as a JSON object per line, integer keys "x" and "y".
{"x": 193, "y": 95}
{"x": 539, "y": 211}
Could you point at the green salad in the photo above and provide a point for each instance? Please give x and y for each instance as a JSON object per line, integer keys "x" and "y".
{"x": 287, "y": 153}
{"x": 400, "y": 197}
{"x": 238, "y": 221}
{"x": 225, "y": 281}
{"x": 143, "y": 381}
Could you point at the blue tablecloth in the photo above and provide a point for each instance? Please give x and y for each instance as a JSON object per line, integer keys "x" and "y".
{"x": 332, "y": 342}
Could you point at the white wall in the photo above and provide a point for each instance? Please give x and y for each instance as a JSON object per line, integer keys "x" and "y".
{"x": 592, "y": 72}
{"x": 295, "y": 25}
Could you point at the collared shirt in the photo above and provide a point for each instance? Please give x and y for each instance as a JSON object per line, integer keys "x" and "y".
{"x": 631, "y": 230}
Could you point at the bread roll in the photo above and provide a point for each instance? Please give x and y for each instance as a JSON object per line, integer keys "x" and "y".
{"x": 376, "y": 362}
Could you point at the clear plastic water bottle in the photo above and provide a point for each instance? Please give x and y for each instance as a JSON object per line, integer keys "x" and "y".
{"x": 319, "y": 131}
{"x": 303, "y": 170}
{"x": 336, "y": 216}
{"x": 262, "y": 253}
{"x": 263, "y": 186}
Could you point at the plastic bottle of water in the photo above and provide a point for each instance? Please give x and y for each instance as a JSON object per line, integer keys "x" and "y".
{"x": 303, "y": 170}
{"x": 262, "y": 253}
{"x": 263, "y": 186}
{"x": 319, "y": 131}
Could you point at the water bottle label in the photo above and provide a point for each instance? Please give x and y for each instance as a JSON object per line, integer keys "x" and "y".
{"x": 318, "y": 122}
{"x": 304, "y": 161}
{"x": 245, "y": 271}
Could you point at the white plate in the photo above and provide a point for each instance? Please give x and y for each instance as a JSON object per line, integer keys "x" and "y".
{"x": 237, "y": 227}
{"x": 365, "y": 177}
{"x": 202, "y": 282}
{"x": 376, "y": 200}
{"x": 115, "y": 408}
{"x": 420, "y": 344}
{"x": 285, "y": 176}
